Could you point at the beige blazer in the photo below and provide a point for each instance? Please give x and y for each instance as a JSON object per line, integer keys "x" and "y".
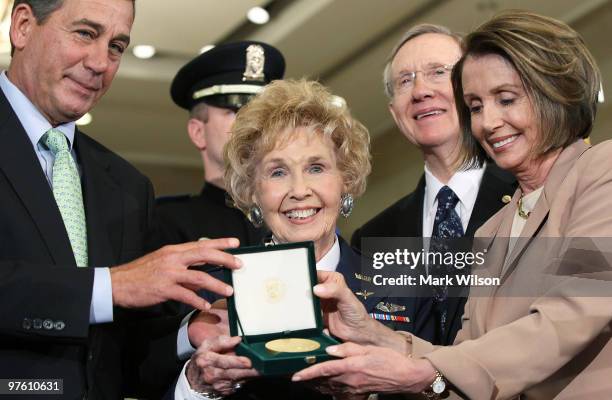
{"x": 537, "y": 335}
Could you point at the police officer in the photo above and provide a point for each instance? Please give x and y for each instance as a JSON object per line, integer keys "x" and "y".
{"x": 213, "y": 87}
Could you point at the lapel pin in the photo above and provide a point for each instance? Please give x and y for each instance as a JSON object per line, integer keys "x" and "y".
{"x": 363, "y": 277}
{"x": 506, "y": 198}
{"x": 365, "y": 294}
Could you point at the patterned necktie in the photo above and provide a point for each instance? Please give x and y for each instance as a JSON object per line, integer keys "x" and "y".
{"x": 447, "y": 225}
{"x": 67, "y": 193}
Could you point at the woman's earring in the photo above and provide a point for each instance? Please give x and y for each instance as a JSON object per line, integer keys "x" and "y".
{"x": 255, "y": 216}
{"x": 346, "y": 205}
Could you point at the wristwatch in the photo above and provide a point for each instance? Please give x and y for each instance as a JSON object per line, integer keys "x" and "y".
{"x": 436, "y": 388}
{"x": 200, "y": 392}
{"x": 205, "y": 395}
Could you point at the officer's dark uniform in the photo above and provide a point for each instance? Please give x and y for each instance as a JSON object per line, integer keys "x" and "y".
{"x": 227, "y": 76}
{"x": 207, "y": 215}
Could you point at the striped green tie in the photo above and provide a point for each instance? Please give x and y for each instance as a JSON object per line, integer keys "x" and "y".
{"x": 67, "y": 193}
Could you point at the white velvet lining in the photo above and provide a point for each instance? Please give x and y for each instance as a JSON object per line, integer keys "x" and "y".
{"x": 272, "y": 292}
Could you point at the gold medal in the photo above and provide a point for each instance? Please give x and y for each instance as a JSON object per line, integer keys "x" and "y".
{"x": 292, "y": 345}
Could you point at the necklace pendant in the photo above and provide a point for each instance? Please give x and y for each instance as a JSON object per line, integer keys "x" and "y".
{"x": 522, "y": 213}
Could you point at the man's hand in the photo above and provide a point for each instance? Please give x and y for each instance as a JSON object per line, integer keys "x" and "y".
{"x": 214, "y": 366}
{"x": 209, "y": 324}
{"x": 164, "y": 275}
{"x": 370, "y": 369}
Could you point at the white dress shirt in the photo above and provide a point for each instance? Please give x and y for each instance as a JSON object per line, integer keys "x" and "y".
{"x": 465, "y": 184}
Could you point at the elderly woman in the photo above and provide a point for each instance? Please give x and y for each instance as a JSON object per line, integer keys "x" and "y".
{"x": 295, "y": 162}
{"x": 526, "y": 90}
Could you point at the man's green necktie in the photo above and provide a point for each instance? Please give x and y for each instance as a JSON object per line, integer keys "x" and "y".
{"x": 67, "y": 193}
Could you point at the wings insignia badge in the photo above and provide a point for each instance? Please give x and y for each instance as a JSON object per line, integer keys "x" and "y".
{"x": 365, "y": 294}
{"x": 389, "y": 307}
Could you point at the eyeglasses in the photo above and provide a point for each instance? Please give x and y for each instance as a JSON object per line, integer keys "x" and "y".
{"x": 434, "y": 74}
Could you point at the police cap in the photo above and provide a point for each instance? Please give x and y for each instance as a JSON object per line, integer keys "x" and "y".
{"x": 228, "y": 75}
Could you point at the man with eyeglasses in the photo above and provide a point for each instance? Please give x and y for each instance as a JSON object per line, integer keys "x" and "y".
{"x": 417, "y": 83}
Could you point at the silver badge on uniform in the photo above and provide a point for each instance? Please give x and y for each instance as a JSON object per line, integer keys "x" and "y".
{"x": 255, "y": 60}
{"x": 389, "y": 307}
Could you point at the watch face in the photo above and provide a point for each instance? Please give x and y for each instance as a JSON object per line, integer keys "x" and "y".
{"x": 438, "y": 386}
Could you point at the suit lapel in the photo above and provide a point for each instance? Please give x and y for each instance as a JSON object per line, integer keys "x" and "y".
{"x": 22, "y": 169}
{"x": 349, "y": 266}
{"x": 557, "y": 174}
{"x": 493, "y": 228}
{"x": 495, "y": 184}
{"x": 103, "y": 205}
{"x": 492, "y": 236}
{"x": 535, "y": 221}
{"x": 411, "y": 225}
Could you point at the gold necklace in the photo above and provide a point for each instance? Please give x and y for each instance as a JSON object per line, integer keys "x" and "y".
{"x": 522, "y": 213}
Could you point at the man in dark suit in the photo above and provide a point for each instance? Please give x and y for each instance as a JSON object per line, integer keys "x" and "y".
{"x": 213, "y": 87}
{"x": 74, "y": 215}
{"x": 417, "y": 82}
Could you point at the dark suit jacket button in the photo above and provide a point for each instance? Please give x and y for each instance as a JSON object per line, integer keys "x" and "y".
{"x": 26, "y": 324}
{"x": 59, "y": 325}
{"x": 37, "y": 323}
{"x": 90, "y": 356}
{"x": 48, "y": 324}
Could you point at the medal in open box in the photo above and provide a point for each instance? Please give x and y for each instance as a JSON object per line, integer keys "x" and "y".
{"x": 274, "y": 309}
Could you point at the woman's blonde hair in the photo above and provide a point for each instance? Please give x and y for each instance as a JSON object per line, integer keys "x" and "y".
{"x": 559, "y": 74}
{"x": 273, "y": 115}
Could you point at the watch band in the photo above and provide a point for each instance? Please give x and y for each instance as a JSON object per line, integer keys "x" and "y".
{"x": 206, "y": 395}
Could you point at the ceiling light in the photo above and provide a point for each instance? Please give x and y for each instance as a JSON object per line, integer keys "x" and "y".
{"x": 206, "y": 48}
{"x": 144, "y": 51}
{"x": 84, "y": 120}
{"x": 258, "y": 15}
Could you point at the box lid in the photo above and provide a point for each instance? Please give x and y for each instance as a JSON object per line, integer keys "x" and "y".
{"x": 273, "y": 292}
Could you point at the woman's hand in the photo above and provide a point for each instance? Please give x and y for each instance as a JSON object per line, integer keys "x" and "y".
{"x": 347, "y": 319}
{"x": 216, "y": 368}
{"x": 370, "y": 369}
{"x": 343, "y": 313}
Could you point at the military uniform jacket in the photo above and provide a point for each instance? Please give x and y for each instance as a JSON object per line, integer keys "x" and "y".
{"x": 187, "y": 218}
{"x": 409, "y": 313}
